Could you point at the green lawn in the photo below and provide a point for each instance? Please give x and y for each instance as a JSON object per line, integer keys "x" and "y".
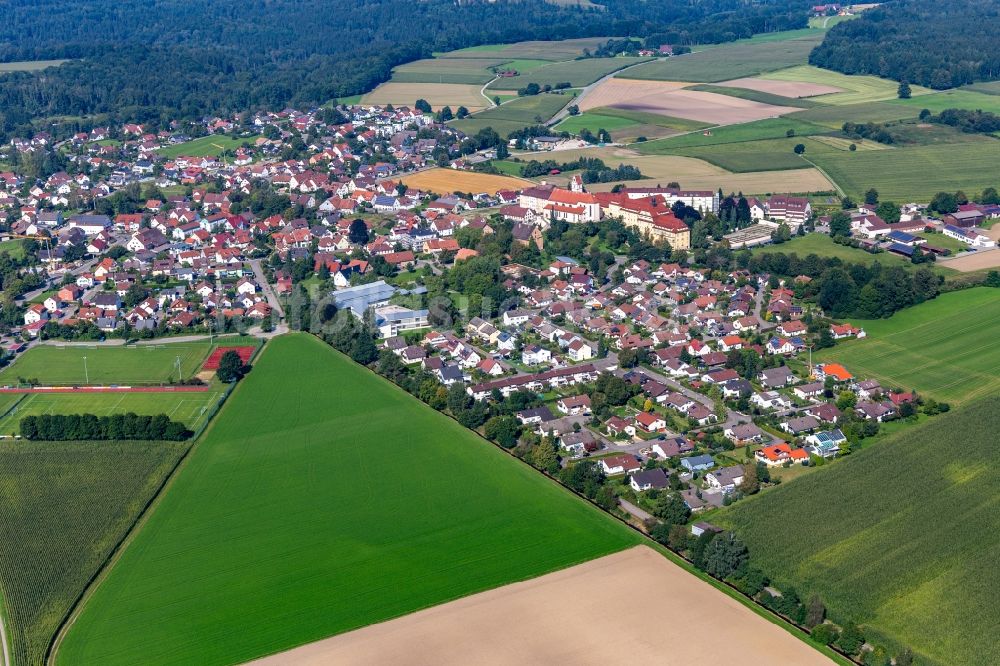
{"x": 856, "y": 89}
{"x": 593, "y": 122}
{"x": 944, "y": 348}
{"x": 769, "y": 128}
{"x": 206, "y": 146}
{"x": 900, "y": 537}
{"x": 108, "y": 364}
{"x": 730, "y": 61}
{"x": 15, "y": 248}
{"x": 323, "y": 499}
{"x": 577, "y": 73}
{"x": 65, "y": 507}
{"x": 913, "y": 173}
{"x": 190, "y": 408}
{"x": 643, "y": 118}
{"x": 823, "y": 246}
{"x": 952, "y": 99}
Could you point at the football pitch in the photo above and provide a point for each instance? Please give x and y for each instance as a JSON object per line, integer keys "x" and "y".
{"x": 189, "y": 407}
{"x": 151, "y": 363}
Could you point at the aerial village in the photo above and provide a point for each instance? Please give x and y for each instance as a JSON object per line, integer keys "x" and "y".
{"x": 666, "y": 371}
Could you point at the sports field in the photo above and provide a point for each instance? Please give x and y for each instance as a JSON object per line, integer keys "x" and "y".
{"x": 323, "y": 499}
{"x": 900, "y": 537}
{"x": 107, "y": 364}
{"x": 65, "y": 506}
{"x": 945, "y": 348}
{"x": 189, "y": 407}
{"x": 206, "y": 146}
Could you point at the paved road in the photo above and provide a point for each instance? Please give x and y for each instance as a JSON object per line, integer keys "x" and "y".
{"x": 587, "y": 89}
{"x": 634, "y": 510}
{"x": 758, "y": 304}
{"x": 272, "y": 298}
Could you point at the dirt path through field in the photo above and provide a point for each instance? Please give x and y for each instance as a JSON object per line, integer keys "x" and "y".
{"x": 633, "y": 606}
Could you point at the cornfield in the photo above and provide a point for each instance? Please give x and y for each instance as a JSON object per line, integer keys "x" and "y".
{"x": 901, "y": 537}
{"x": 63, "y": 508}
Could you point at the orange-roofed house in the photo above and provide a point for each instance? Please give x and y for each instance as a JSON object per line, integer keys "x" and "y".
{"x": 778, "y": 454}
{"x": 835, "y": 370}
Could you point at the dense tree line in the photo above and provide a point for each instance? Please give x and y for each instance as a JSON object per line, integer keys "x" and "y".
{"x": 153, "y": 62}
{"x": 874, "y": 131}
{"x": 850, "y": 289}
{"x": 129, "y": 426}
{"x": 932, "y": 44}
{"x": 593, "y": 170}
{"x": 970, "y": 122}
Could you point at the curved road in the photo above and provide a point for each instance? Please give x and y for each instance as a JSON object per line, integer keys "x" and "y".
{"x": 587, "y": 89}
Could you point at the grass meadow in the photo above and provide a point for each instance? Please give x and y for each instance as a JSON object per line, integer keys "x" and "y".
{"x": 578, "y": 73}
{"x": 856, "y": 89}
{"x": 514, "y": 115}
{"x": 65, "y": 507}
{"x": 913, "y": 173}
{"x": 899, "y": 537}
{"x": 729, "y": 61}
{"x": 769, "y": 128}
{"x": 745, "y": 156}
{"x": 945, "y": 348}
{"x": 206, "y": 146}
{"x": 323, "y": 499}
{"x": 952, "y": 99}
{"x": 107, "y": 364}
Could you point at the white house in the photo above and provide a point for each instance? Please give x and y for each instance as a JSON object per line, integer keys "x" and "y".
{"x": 535, "y": 355}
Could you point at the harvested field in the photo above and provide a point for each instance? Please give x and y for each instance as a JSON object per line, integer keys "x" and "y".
{"x": 854, "y": 89}
{"x": 437, "y": 94}
{"x": 783, "y": 88}
{"x": 445, "y": 181}
{"x": 694, "y": 173}
{"x": 668, "y": 99}
{"x": 981, "y": 260}
{"x": 446, "y": 70}
{"x": 517, "y": 624}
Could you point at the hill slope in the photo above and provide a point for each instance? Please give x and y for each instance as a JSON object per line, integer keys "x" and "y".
{"x": 901, "y": 537}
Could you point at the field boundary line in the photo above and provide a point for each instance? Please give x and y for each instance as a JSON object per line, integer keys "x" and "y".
{"x": 141, "y": 519}
{"x": 835, "y": 184}
{"x": 677, "y": 559}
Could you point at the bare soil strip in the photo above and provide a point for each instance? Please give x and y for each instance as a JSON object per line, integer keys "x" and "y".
{"x": 666, "y": 98}
{"x": 783, "y": 88}
{"x": 974, "y": 262}
{"x": 633, "y": 606}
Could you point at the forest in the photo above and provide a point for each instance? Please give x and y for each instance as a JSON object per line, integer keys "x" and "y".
{"x": 153, "y": 61}
{"x": 948, "y": 36}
